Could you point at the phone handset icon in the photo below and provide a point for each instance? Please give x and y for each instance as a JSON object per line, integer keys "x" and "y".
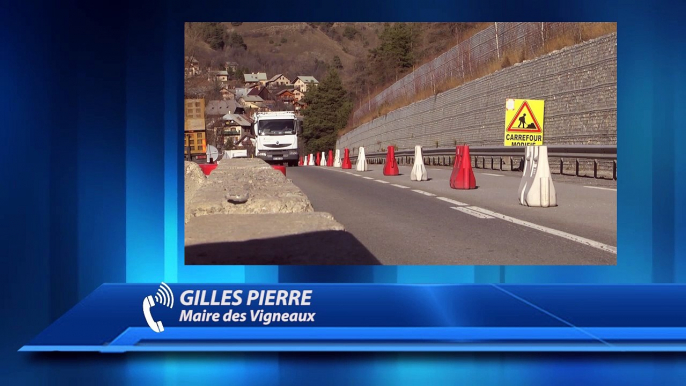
{"x": 154, "y": 325}
{"x": 165, "y": 297}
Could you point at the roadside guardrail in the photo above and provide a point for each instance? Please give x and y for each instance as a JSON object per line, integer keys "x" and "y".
{"x": 498, "y": 156}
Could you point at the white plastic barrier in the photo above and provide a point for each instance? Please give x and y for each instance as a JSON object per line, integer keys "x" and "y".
{"x": 526, "y": 175}
{"x": 418, "y": 170}
{"x": 361, "y": 165}
{"x": 323, "y": 160}
{"x": 337, "y": 159}
{"x": 536, "y": 187}
{"x": 228, "y": 154}
{"x": 311, "y": 163}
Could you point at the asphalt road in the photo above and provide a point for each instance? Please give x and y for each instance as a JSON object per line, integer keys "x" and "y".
{"x": 403, "y": 222}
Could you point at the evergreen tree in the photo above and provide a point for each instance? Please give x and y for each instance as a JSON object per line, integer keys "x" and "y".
{"x": 395, "y": 52}
{"x": 328, "y": 108}
{"x": 214, "y": 35}
{"x": 235, "y": 40}
{"x": 239, "y": 73}
{"x": 337, "y": 63}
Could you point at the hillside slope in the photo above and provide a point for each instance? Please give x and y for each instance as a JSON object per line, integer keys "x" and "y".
{"x": 311, "y": 48}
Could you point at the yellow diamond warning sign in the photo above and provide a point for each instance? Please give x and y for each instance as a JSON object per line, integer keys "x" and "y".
{"x": 523, "y": 122}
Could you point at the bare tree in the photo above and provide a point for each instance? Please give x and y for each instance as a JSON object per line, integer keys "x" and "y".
{"x": 192, "y": 40}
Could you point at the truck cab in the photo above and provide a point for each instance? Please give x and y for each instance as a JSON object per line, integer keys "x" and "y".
{"x": 277, "y": 135}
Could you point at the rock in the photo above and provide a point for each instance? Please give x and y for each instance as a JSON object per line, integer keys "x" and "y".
{"x": 251, "y": 182}
{"x": 193, "y": 180}
{"x": 245, "y": 212}
{"x": 237, "y": 198}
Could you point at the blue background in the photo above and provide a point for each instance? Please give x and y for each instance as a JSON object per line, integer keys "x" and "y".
{"x": 91, "y": 167}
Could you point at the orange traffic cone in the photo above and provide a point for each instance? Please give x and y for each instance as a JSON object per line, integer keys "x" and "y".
{"x": 346, "y": 160}
{"x": 462, "y": 176}
{"x": 391, "y": 166}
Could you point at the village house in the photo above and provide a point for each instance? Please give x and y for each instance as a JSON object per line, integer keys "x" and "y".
{"x": 286, "y": 96}
{"x": 231, "y": 65}
{"x": 241, "y": 92}
{"x": 253, "y": 79}
{"x": 216, "y": 109}
{"x": 194, "y": 128}
{"x": 262, "y": 92}
{"x": 234, "y": 127}
{"x": 301, "y": 83}
{"x": 278, "y": 80}
{"x": 214, "y": 126}
{"x": 222, "y": 76}
{"x": 251, "y": 102}
{"x": 298, "y": 95}
{"x": 268, "y": 106}
{"x": 226, "y": 93}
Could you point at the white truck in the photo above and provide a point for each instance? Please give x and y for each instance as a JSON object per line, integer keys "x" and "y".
{"x": 276, "y": 135}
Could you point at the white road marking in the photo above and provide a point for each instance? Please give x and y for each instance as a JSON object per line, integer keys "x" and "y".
{"x": 598, "y": 187}
{"x": 494, "y": 175}
{"x": 400, "y": 186}
{"x": 368, "y": 178}
{"x": 382, "y": 181}
{"x": 568, "y": 236}
{"x": 356, "y": 175}
{"x": 451, "y": 201}
{"x": 424, "y": 193}
{"x": 471, "y": 212}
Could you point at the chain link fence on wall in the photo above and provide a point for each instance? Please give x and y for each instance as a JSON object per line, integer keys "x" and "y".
{"x": 578, "y": 83}
{"x": 464, "y": 60}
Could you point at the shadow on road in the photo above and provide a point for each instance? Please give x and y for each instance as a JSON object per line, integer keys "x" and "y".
{"x": 315, "y": 248}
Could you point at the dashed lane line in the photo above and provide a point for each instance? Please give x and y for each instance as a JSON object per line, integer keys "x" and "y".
{"x": 471, "y": 212}
{"x": 568, "y": 236}
{"x": 487, "y": 214}
{"x": 601, "y": 188}
{"x": 424, "y": 193}
{"x": 451, "y": 201}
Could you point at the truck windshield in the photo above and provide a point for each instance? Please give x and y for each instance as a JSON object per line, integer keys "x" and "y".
{"x": 276, "y": 127}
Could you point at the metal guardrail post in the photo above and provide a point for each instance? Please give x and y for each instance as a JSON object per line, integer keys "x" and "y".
{"x": 595, "y": 168}
{"x": 577, "y": 167}
{"x": 614, "y": 170}
{"x": 562, "y": 166}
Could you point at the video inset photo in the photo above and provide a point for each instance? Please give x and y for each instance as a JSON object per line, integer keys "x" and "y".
{"x": 400, "y": 143}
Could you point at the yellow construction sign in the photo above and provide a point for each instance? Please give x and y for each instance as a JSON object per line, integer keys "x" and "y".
{"x": 524, "y": 122}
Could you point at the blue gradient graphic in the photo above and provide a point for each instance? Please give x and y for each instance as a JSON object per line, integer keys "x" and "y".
{"x": 92, "y": 189}
{"x": 378, "y": 317}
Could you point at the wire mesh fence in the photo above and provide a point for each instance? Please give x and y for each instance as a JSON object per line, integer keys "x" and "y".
{"x": 464, "y": 60}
